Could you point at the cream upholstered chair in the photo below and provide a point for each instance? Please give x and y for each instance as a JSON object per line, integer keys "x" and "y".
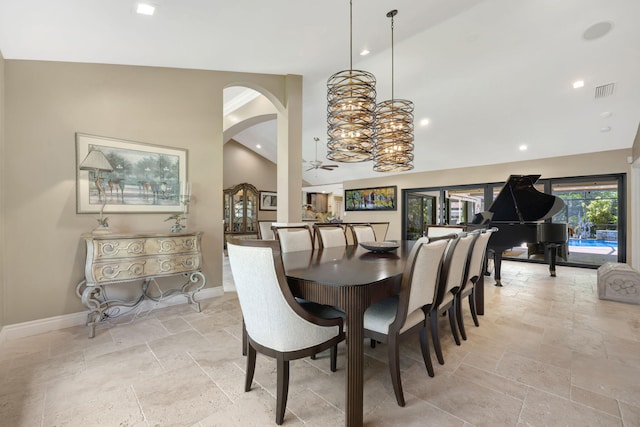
{"x": 453, "y": 276}
{"x": 362, "y": 233}
{"x": 264, "y": 227}
{"x": 293, "y": 237}
{"x": 386, "y": 320}
{"x": 476, "y": 269}
{"x": 329, "y": 235}
{"x": 276, "y": 325}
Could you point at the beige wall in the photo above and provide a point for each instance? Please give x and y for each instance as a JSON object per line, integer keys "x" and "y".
{"x": 244, "y": 165}
{"x": 636, "y": 146}
{"x": 3, "y": 299}
{"x": 46, "y": 104}
{"x": 585, "y": 164}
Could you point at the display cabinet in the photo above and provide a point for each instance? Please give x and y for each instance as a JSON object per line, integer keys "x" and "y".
{"x": 241, "y": 211}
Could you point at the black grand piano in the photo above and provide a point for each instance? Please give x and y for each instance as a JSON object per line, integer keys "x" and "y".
{"x": 518, "y": 212}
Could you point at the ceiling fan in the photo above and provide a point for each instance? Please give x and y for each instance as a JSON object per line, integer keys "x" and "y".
{"x": 317, "y": 164}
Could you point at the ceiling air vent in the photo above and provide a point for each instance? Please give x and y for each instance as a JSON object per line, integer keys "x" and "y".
{"x": 604, "y": 90}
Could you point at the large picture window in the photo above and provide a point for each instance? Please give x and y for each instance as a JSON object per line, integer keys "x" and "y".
{"x": 594, "y": 212}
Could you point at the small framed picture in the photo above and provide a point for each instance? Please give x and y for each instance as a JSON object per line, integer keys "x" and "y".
{"x": 268, "y": 201}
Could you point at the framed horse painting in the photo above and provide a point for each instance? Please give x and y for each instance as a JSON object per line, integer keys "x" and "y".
{"x": 136, "y": 177}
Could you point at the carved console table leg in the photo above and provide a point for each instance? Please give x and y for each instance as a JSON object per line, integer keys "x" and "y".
{"x": 197, "y": 280}
{"x": 89, "y": 296}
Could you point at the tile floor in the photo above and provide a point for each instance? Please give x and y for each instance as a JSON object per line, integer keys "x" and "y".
{"x": 548, "y": 352}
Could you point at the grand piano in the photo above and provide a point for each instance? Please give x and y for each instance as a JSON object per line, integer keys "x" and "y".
{"x": 518, "y": 212}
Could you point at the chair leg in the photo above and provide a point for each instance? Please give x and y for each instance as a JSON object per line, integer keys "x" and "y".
{"x": 435, "y": 337}
{"x": 458, "y": 304}
{"x": 245, "y": 340}
{"x": 334, "y": 358}
{"x": 452, "y": 323}
{"x": 472, "y": 306}
{"x": 394, "y": 368}
{"x": 283, "y": 389}
{"x": 251, "y": 367}
{"x": 424, "y": 345}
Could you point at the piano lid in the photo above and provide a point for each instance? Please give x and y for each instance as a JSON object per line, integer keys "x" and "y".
{"x": 518, "y": 200}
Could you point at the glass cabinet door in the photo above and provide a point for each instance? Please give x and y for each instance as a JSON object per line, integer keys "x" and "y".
{"x": 251, "y": 212}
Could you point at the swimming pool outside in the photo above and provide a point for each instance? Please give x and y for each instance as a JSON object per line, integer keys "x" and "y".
{"x": 593, "y": 243}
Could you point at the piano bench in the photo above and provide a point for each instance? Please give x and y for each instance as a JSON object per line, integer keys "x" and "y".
{"x": 619, "y": 282}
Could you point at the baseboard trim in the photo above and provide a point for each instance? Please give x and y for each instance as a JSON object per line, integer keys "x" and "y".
{"x": 40, "y": 326}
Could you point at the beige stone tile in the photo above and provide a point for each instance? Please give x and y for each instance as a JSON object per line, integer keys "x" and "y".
{"x": 579, "y": 340}
{"x": 607, "y": 377}
{"x": 535, "y": 374}
{"x": 467, "y": 400}
{"x": 175, "y": 325}
{"x": 179, "y": 397}
{"x": 30, "y": 376}
{"x": 416, "y": 413}
{"x": 123, "y": 366}
{"x": 178, "y": 343}
{"x": 74, "y": 401}
{"x": 19, "y": 408}
{"x": 595, "y": 401}
{"x": 256, "y": 408}
{"x": 623, "y": 350}
{"x": 491, "y": 380}
{"x": 630, "y": 414}
{"x": 137, "y": 331}
{"x": 212, "y": 322}
{"x": 542, "y": 408}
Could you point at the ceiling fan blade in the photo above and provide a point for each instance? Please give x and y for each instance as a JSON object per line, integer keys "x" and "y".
{"x": 311, "y": 168}
{"x": 328, "y": 168}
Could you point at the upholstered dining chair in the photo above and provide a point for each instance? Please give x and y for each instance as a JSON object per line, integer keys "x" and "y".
{"x": 454, "y": 274}
{"x": 362, "y": 233}
{"x": 264, "y": 227}
{"x": 386, "y": 320}
{"x": 276, "y": 325}
{"x": 329, "y": 235}
{"x": 476, "y": 269}
{"x": 293, "y": 237}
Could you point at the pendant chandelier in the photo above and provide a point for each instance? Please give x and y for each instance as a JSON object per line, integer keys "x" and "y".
{"x": 351, "y": 111}
{"x": 394, "y": 129}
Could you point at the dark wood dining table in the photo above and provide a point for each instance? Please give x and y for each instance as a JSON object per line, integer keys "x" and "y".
{"x": 351, "y": 279}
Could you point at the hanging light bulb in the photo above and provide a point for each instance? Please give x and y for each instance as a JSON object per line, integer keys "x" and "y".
{"x": 351, "y": 111}
{"x": 394, "y": 128}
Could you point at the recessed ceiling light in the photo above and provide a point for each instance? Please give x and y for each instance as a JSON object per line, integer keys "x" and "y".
{"x": 523, "y": 147}
{"x": 606, "y": 114}
{"x": 424, "y": 122}
{"x": 258, "y": 146}
{"x": 605, "y": 129}
{"x": 578, "y": 84}
{"x": 364, "y": 52}
{"x": 145, "y": 9}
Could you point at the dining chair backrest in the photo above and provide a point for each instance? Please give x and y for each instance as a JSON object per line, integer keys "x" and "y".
{"x": 362, "y": 233}
{"x": 293, "y": 238}
{"x": 478, "y": 255}
{"x": 271, "y": 314}
{"x": 266, "y": 233}
{"x": 330, "y": 235}
{"x": 421, "y": 277}
{"x": 456, "y": 264}
{"x": 442, "y": 230}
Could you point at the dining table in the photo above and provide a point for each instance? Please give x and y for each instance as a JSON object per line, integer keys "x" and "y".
{"x": 350, "y": 278}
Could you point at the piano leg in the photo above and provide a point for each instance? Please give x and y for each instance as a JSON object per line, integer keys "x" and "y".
{"x": 553, "y": 252}
{"x": 497, "y": 263}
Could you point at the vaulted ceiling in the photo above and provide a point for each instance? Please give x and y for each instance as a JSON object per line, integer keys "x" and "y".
{"x": 488, "y": 75}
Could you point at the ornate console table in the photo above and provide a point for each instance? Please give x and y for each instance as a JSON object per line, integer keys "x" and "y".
{"x": 139, "y": 257}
